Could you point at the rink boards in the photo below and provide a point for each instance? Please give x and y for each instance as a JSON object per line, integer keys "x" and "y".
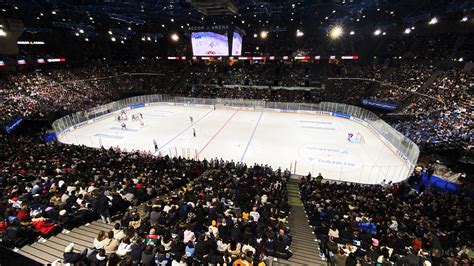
{"x": 305, "y": 141}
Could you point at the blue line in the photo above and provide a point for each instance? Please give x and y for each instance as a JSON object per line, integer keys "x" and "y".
{"x": 126, "y": 129}
{"x": 108, "y": 136}
{"x": 251, "y": 137}
{"x": 323, "y": 128}
{"x": 184, "y": 130}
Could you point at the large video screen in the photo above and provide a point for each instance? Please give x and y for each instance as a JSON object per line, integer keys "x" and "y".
{"x": 237, "y": 44}
{"x": 210, "y": 44}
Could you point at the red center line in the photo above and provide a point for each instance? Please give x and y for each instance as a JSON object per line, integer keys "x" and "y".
{"x": 218, "y": 131}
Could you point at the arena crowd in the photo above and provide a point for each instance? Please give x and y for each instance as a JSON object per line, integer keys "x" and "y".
{"x": 229, "y": 212}
{"x": 389, "y": 224}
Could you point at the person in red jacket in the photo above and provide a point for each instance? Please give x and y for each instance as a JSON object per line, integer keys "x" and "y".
{"x": 45, "y": 226}
{"x": 23, "y": 214}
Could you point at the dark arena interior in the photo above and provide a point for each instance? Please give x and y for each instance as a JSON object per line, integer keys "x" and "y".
{"x": 236, "y": 132}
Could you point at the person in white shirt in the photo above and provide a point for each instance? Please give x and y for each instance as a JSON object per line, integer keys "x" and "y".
{"x": 179, "y": 261}
{"x": 118, "y": 233}
{"x": 247, "y": 247}
{"x": 64, "y": 197}
{"x": 213, "y": 229}
{"x": 333, "y": 231}
{"x": 264, "y": 199}
{"x": 91, "y": 188}
{"x": 124, "y": 247}
{"x": 167, "y": 208}
{"x": 254, "y": 213}
{"x": 99, "y": 240}
{"x": 188, "y": 236}
{"x": 221, "y": 246}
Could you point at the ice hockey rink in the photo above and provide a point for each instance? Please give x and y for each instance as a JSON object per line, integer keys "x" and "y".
{"x": 304, "y": 143}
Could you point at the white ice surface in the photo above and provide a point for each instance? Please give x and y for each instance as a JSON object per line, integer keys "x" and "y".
{"x": 314, "y": 143}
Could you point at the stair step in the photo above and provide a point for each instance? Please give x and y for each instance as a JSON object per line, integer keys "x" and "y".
{"x": 299, "y": 246}
{"x": 106, "y": 227}
{"x": 96, "y": 228}
{"x": 64, "y": 243}
{"x": 38, "y": 253}
{"x": 90, "y": 229}
{"x": 56, "y": 246}
{"x": 52, "y": 251}
{"x": 294, "y": 259}
{"x": 84, "y": 232}
{"x": 80, "y": 236}
{"x": 71, "y": 239}
{"x": 31, "y": 256}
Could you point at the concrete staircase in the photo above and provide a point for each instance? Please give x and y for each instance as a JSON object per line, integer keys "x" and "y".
{"x": 47, "y": 251}
{"x": 304, "y": 246}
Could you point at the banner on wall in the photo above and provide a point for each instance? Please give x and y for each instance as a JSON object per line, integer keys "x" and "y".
{"x": 50, "y": 136}
{"x": 138, "y": 105}
{"x": 381, "y": 105}
{"x": 14, "y": 124}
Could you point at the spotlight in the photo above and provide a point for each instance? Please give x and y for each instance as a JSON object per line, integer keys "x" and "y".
{"x": 174, "y": 37}
{"x": 81, "y": 31}
{"x": 352, "y": 32}
{"x": 113, "y": 39}
{"x": 336, "y": 32}
{"x": 255, "y": 35}
{"x": 377, "y": 32}
{"x": 464, "y": 19}
{"x": 407, "y": 31}
{"x": 299, "y": 33}
{"x": 433, "y": 21}
{"x": 264, "y": 34}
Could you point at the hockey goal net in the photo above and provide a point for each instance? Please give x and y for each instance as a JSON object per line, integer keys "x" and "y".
{"x": 359, "y": 138}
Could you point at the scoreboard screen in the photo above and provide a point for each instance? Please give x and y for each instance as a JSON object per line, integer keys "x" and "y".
{"x": 237, "y": 44}
{"x": 210, "y": 44}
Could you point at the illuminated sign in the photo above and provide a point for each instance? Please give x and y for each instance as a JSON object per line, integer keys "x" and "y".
{"x": 40, "y": 61}
{"x": 30, "y": 42}
{"x": 176, "y": 58}
{"x": 56, "y": 60}
{"x": 22, "y": 62}
{"x": 350, "y": 57}
{"x": 302, "y": 57}
{"x": 2, "y": 63}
